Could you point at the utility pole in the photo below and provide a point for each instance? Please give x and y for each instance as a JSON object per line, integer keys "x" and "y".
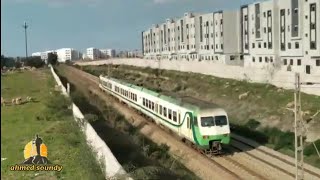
{"x": 299, "y": 130}
{"x": 25, "y": 26}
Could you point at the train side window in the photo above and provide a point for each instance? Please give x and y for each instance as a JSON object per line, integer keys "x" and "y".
{"x": 144, "y": 102}
{"x": 164, "y": 111}
{"x": 179, "y": 117}
{"x": 147, "y": 103}
{"x": 169, "y": 113}
{"x": 156, "y": 108}
{"x": 160, "y": 110}
{"x": 174, "y": 116}
{"x": 152, "y": 106}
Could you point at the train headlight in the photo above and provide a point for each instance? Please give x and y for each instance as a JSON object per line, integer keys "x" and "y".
{"x": 205, "y": 137}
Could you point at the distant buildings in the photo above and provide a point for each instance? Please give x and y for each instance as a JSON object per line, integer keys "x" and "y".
{"x": 282, "y": 34}
{"x": 63, "y": 54}
{"x": 94, "y": 53}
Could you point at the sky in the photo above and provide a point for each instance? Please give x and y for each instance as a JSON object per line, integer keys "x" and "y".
{"x": 80, "y": 24}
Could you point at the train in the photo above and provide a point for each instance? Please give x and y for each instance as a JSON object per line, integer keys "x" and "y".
{"x": 204, "y": 124}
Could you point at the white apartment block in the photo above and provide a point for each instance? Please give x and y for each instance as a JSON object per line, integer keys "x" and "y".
{"x": 44, "y": 55}
{"x": 65, "y": 54}
{"x": 105, "y": 53}
{"x": 274, "y": 34}
{"x": 93, "y": 53}
{"x": 282, "y": 34}
{"x": 299, "y": 35}
{"x": 195, "y": 37}
{"x": 259, "y": 27}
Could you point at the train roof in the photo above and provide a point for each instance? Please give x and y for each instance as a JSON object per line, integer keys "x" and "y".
{"x": 180, "y": 100}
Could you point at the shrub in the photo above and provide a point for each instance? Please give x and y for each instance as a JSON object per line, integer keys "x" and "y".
{"x": 252, "y": 124}
{"x": 91, "y": 118}
{"x": 310, "y": 149}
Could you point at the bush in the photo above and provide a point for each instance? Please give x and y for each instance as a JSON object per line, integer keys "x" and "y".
{"x": 310, "y": 149}
{"x": 36, "y": 62}
{"x": 247, "y": 132}
{"x": 91, "y": 118}
{"x": 281, "y": 140}
{"x": 252, "y": 124}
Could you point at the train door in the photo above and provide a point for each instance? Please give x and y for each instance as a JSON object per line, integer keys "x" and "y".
{"x": 189, "y": 130}
{"x": 186, "y": 128}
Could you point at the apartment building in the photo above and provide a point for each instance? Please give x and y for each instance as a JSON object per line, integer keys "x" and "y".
{"x": 107, "y": 53}
{"x": 67, "y": 54}
{"x": 44, "y": 55}
{"x": 299, "y": 33}
{"x": 274, "y": 34}
{"x": 93, "y": 53}
{"x": 259, "y": 27}
{"x": 196, "y": 37}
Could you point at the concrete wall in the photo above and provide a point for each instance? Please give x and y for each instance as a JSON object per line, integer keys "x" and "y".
{"x": 261, "y": 75}
{"x": 109, "y": 164}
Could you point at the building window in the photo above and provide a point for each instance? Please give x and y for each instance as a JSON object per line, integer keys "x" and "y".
{"x": 265, "y": 45}
{"x": 231, "y": 58}
{"x": 271, "y": 59}
{"x": 299, "y": 62}
{"x": 289, "y": 45}
{"x": 291, "y": 62}
{"x": 260, "y": 59}
{"x": 266, "y": 59}
{"x": 318, "y": 62}
{"x": 259, "y": 45}
{"x": 253, "y": 45}
{"x": 297, "y": 45}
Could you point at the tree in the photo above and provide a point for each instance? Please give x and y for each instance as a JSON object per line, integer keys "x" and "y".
{"x": 52, "y": 58}
{"x": 18, "y": 64}
{"x": 34, "y": 61}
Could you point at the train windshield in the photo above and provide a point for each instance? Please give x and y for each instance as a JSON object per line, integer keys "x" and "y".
{"x": 207, "y": 121}
{"x": 220, "y": 120}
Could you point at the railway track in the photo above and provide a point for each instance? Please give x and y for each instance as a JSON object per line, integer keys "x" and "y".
{"x": 241, "y": 145}
{"x": 244, "y": 164}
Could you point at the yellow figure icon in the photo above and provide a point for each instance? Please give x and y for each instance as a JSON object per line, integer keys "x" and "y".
{"x": 36, "y": 152}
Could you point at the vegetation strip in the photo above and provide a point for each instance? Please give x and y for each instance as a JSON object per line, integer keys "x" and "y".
{"x": 49, "y": 116}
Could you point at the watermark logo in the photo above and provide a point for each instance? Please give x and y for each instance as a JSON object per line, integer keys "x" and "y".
{"x": 36, "y": 158}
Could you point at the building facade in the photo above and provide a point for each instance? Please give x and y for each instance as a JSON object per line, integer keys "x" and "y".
{"x": 67, "y": 54}
{"x": 108, "y": 53}
{"x": 275, "y": 34}
{"x": 93, "y": 53}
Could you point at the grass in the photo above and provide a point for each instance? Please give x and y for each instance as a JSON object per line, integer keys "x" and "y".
{"x": 262, "y": 116}
{"x": 49, "y": 117}
{"x": 139, "y": 156}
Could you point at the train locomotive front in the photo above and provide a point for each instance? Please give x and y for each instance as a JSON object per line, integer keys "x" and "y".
{"x": 211, "y": 128}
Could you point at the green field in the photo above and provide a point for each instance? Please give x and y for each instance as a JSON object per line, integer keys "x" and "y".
{"x": 49, "y": 117}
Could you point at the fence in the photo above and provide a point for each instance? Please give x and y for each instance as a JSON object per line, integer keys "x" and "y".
{"x": 107, "y": 161}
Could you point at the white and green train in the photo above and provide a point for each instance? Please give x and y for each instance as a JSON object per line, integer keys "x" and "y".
{"x": 204, "y": 124}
